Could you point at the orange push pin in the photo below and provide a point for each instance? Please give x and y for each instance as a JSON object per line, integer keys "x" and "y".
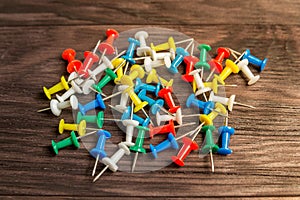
{"x": 107, "y": 47}
{"x": 69, "y": 55}
{"x": 63, "y": 84}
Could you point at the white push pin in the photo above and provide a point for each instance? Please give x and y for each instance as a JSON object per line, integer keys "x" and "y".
{"x": 124, "y": 99}
{"x": 199, "y": 83}
{"x": 100, "y": 68}
{"x": 111, "y": 162}
{"x": 149, "y": 64}
{"x": 163, "y": 118}
{"x": 227, "y": 101}
{"x": 162, "y": 55}
{"x": 243, "y": 65}
{"x": 73, "y": 90}
{"x": 143, "y": 49}
{"x": 56, "y": 107}
{"x": 130, "y": 124}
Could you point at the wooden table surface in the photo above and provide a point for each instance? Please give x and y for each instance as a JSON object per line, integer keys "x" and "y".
{"x": 266, "y": 145}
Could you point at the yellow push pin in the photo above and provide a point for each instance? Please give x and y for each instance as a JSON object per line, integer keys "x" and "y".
{"x": 80, "y": 128}
{"x": 135, "y": 99}
{"x": 165, "y": 46}
{"x": 119, "y": 62}
{"x": 208, "y": 119}
{"x": 153, "y": 77}
{"x": 214, "y": 85}
{"x": 63, "y": 84}
{"x": 136, "y": 71}
{"x": 230, "y": 67}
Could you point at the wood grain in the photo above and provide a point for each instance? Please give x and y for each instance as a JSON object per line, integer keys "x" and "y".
{"x": 266, "y": 145}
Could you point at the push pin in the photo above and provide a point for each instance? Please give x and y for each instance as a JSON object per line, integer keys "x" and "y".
{"x": 130, "y": 50}
{"x": 111, "y": 162}
{"x": 188, "y": 146}
{"x": 199, "y": 83}
{"x": 80, "y": 128}
{"x": 167, "y": 128}
{"x": 98, "y": 102}
{"x": 166, "y": 94}
{"x": 136, "y": 71}
{"x": 149, "y": 64}
{"x": 204, "y": 48}
{"x": 206, "y": 107}
{"x": 163, "y": 56}
{"x": 90, "y": 59}
{"x": 138, "y": 146}
{"x": 143, "y": 49}
{"x": 243, "y": 66}
{"x": 225, "y": 132}
{"x": 216, "y": 63}
{"x": 139, "y": 85}
{"x": 214, "y": 85}
{"x": 110, "y": 75}
{"x": 208, "y": 119}
{"x": 166, "y": 144}
{"x": 142, "y": 95}
{"x": 73, "y": 90}
{"x": 136, "y": 100}
{"x": 170, "y": 45}
{"x": 230, "y": 67}
{"x": 130, "y": 124}
{"x": 73, "y": 65}
{"x": 255, "y": 61}
{"x": 119, "y": 63}
{"x": 124, "y": 98}
{"x": 63, "y": 84}
{"x": 72, "y": 140}
{"x": 100, "y": 68}
{"x": 56, "y": 107}
{"x": 153, "y": 77}
{"x": 190, "y": 65}
{"x": 229, "y": 102}
{"x": 127, "y": 115}
{"x": 180, "y": 54}
{"x": 209, "y": 147}
{"x": 98, "y": 151}
{"x": 107, "y": 47}
{"x": 163, "y": 118}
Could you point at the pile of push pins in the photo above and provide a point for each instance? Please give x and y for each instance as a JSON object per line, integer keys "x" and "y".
{"x": 142, "y": 91}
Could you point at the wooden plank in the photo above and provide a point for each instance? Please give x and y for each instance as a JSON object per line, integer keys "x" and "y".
{"x": 265, "y": 162}
{"x": 105, "y": 12}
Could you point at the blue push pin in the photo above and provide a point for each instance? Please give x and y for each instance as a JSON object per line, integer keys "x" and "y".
{"x": 130, "y": 50}
{"x": 139, "y": 85}
{"x": 154, "y": 109}
{"x": 207, "y": 107}
{"x": 97, "y": 103}
{"x": 254, "y": 60}
{"x": 126, "y": 115}
{"x": 98, "y": 151}
{"x": 166, "y": 144}
{"x": 180, "y": 54}
{"x": 225, "y": 132}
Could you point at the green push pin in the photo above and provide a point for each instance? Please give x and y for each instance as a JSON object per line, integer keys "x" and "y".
{"x": 94, "y": 119}
{"x": 138, "y": 146}
{"x": 72, "y": 140}
{"x": 204, "y": 48}
{"x": 110, "y": 75}
{"x": 210, "y": 146}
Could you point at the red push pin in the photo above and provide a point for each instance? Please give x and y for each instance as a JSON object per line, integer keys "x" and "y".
{"x": 165, "y": 93}
{"x": 216, "y": 63}
{"x": 190, "y": 62}
{"x": 90, "y": 59}
{"x": 188, "y": 146}
{"x": 107, "y": 47}
{"x": 69, "y": 55}
{"x": 167, "y": 128}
